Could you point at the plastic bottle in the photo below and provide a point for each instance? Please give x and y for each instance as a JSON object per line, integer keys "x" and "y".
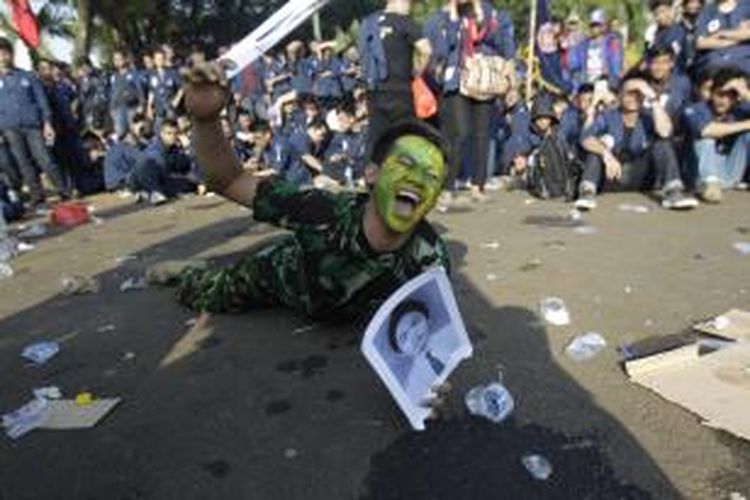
{"x": 493, "y": 402}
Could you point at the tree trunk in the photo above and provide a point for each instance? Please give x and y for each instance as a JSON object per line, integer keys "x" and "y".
{"x": 83, "y": 28}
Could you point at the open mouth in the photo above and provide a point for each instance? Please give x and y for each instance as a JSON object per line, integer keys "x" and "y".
{"x": 407, "y": 202}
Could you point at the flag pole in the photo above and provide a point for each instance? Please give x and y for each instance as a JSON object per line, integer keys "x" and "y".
{"x": 532, "y": 51}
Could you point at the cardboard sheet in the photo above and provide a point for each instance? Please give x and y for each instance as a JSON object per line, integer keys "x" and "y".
{"x": 732, "y": 325}
{"x": 715, "y": 386}
{"x": 66, "y": 414}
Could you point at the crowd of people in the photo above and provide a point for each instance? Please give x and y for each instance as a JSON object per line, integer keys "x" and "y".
{"x": 675, "y": 123}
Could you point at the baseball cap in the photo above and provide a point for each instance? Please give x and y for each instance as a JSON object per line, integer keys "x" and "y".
{"x": 598, "y": 16}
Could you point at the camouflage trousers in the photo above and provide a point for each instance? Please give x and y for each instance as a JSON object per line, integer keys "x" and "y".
{"x": 272, "y": 275}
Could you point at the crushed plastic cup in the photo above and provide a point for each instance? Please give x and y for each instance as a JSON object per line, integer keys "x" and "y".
{"x": 742, "y": 247}
{"x": 26, "y": 418}
{"x": 5, "y": 271}
{"x": 538, "y": 466}
{"x": 41, "y": 352}
{"x": 633, "y": 208}
{"x": 493, "y": 402}
{"x": 585, "y": 347}
{"x": 721, "y": 322}
{"x": 48, "y": 393}
{"x": 79, "y": 285}
{"x": 132, "y": 283}
{"x": 554, "y": 311}
{"x": 585, "y": 230}
{"x": 492, "y": 245}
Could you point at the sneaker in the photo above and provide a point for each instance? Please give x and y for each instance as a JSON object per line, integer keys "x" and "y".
{"x": 477, "y": 195}
{"x": 445, "y": 202}
{"x": 157, "y": 198}
{"x": 587, "y": 199}
{"x": 141, "y": 196}
{"x": 677, "y": 200}
{"x": 711, "y": 192}
{"x": 493, "y": 184}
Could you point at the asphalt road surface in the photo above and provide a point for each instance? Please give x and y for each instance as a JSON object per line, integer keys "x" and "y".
{"x": 267, "y": 405}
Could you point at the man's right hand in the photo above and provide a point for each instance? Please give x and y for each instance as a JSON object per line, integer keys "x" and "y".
{"x": 612, "y": 166}
{"x": 206, "y": 91}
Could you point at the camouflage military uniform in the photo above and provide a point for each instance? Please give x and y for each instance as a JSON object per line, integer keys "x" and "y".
{"x": 325, "y": 268}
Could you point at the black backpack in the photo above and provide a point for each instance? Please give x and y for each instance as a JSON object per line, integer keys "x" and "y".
{"x": 553, "y": 174}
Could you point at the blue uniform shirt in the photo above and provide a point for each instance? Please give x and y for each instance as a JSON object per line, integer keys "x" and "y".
{"x": 23, "y": 103}
{"x": 126, "y": 91}
{"x": 610, "y": 129}
{"x": 119, "y": 164}
{"x": 674, "y": 38}
{"x": 711, "y": 21}
{"x": 164, "y": 85}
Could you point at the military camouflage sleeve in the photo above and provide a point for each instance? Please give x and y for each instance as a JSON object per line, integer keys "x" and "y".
{"x": 285, "y": 205}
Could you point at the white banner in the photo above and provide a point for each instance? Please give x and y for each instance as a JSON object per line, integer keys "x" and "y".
{"x": 271, "y": 32}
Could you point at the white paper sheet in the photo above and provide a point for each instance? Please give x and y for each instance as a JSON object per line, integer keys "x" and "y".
{"x": 415, "y": 341}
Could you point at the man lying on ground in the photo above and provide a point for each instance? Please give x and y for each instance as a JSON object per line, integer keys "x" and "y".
{"x": 346, "y": 252}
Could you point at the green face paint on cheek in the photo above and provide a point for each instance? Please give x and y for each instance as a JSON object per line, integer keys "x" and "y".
{"x": 409, "y": 182}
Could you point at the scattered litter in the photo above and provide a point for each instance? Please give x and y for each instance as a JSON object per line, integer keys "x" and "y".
{"x": 70, "y": 214}
{"x": 554, "y": 311}
{"x": 492, "y": 245}
{"x": 538, "y": 466}
{"x": 575, "y": 215}
{"x": 493, "y": 402}
{"x": 79, "y": 285}
{"x": 585, "y": 347}
{"x": 529, "y": 201}
{"x": 26, "y": 418}
{"x": 51, "y": 392}
{"x": 585, "y": 230}
{"x": 41, "y": 352}
{"x": 133, "y": 283}
{"x": 736, "y": 495}
{"x": 84, "y": 399}
{"x": 128, "y": 356}
{"x": 634, "y": 209}
{"x": 5, "y": 271}
{"x": 191, "y": 322}
{"x": 532, "y": 265}
{"x": 106, "y": 328}
{"x": 33, "y": 231}
{"x": 125, "y": 258}
{"x": 66, "y": 414}
{"x": 290, "y": 453}
{"x": 23, "y": 247}
{"x": 492, "y": 277}
{"x": 742, "y": 247}
{"x": 97, "y": 221}
{"x": 303, "y": 329}
{"x": 628, "y": 290}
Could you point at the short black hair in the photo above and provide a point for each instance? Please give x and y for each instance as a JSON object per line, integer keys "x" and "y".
{"x": 586, "y": 88}
{"x": 726, "y": 75}
{"x": 317, "y": 123}
{"x": 655, "y": 4}
{"x": 262, "y": 127}
{"x": 169, "y": 123}
{"x": 6, "y": 44}
{"x": 384, "y": 143}
{"x": 658, "y": 51}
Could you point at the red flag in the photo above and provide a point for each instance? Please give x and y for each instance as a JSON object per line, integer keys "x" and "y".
{"x": 25, "y": 22}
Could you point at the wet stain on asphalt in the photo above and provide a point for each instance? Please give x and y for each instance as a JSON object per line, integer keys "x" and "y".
{"x": 307, "y": 367}
{"x": 278, "y": 407}
{"x": 218, "y": 468}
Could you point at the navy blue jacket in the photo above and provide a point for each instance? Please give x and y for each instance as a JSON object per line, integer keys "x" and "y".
{"x": 164, "y": 86}
{"x": 119, "y": 164}
{"x": 126, "y": 90}
{"x": 372, "y": 51}
{"x": 23, "y": 103}
{"x": 610, "y": 129}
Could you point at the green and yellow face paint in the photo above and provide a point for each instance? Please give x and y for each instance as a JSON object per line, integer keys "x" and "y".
{"x": 409, "y": 182}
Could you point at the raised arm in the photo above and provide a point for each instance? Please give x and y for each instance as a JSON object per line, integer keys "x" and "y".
{"x": 206, "y": 94}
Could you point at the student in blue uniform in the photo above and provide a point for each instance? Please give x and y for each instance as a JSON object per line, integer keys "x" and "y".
{"x": 630, "y": 148}
{"x": 342, "y": 156}
{"x": 691, "y": 9}
{"x": 513, "y": 119}
{"x": 328, "y": 70}
{"x": 669, "y": 35}
{"x": 165, "y": 90}
{"x": 93, "y": 96}
{"x": 464, "y": 28}
{"x": 123, "y": 155}
{"x": 163, "y": 169}
{"x": 306, "y": 153}
{"x": 723, "y": 40}
{"x": 580, "y": 114}
{"x": 720, "y": 134}
{"x": 126, "y": 93}
{"x": 672, "y": 87}
{"x": 388, "y": 41}
{"x": 26, "y": 123}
